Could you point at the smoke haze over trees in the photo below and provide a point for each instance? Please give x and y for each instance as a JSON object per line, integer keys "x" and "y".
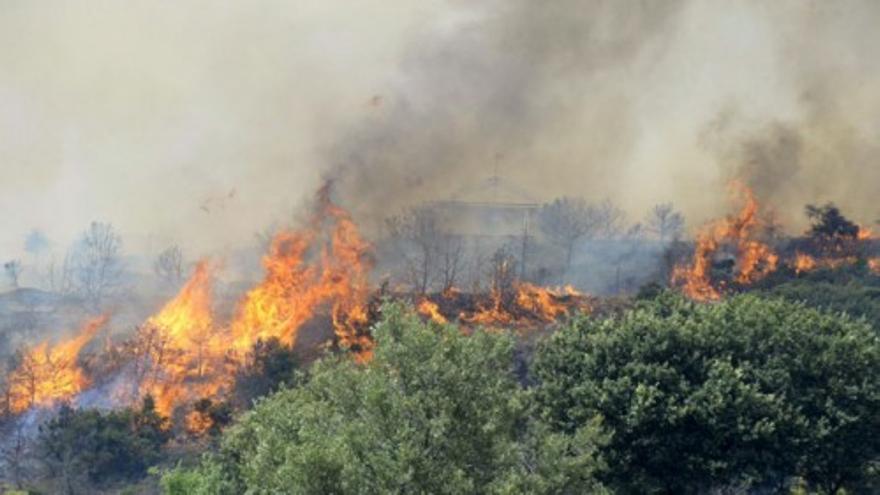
{"x": 440, "y": 246}
{"x": 640, "y": 102}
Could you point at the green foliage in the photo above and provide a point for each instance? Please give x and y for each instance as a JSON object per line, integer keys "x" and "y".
{"x": 434, "y": 411}
{"x": 696, "y": 397}
{"x": 270, "y": 365}
{"x": 189, "y": 482}
{"x": 81, "y": 446}
{"x": 857, "y": 296}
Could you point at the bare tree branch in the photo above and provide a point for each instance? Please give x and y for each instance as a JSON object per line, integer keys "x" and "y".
{"x": 169, "y": 265}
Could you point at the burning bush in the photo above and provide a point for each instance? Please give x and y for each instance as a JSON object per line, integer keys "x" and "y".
{"x": 49, "y": 373}
{"x": 732, "y": 254}
{"x": 750, "y": 259}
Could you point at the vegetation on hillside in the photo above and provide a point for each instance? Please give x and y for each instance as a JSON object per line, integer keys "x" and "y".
{"x": 671, "y": 397}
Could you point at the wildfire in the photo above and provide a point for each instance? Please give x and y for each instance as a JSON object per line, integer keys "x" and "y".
{"x": 526, "y": 304}
{"x": 47, "y": 374}
{"x": 186, "y": 352}
{"x": 546, "y": 304}
{"x": 326, "y": 263}
{"x": 804, "y": 263}
{"x": 754, "y": 259}
{"x": 430, "y": 309}
{"x": 864, "y": 234}
{"x": 493, "y": 313}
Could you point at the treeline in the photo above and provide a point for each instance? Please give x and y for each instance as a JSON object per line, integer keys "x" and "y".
{"x": 434, "y": 247}
{"x": 747, "y": 395}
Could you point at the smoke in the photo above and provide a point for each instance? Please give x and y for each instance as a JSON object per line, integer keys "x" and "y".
{"x": 202, "y": 122}
{"x": 641, "y": 102}
{"x": 519, "y": 88}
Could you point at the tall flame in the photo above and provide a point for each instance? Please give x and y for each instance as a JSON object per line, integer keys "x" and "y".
{"x": 47, "y": 374}
{"x": 754, "y": 259}
{"x": 186, "y": 352}
{"x": 326, "y": 263}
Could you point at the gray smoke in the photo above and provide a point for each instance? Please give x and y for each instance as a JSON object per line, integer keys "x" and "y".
{"x": 638, "y": 101}
{"x": 506, "y": 90}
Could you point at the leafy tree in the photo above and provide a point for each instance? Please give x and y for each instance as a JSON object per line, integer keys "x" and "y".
{"x": 746, "y": 392}
{"x": 852, "y": 297}
{"x": 80, "y": 447}
{"x": 269, "y": 365}
{"x": 832, "y": 233}
{"x": 434, "y": 411}
{"x": 829, "y": 223}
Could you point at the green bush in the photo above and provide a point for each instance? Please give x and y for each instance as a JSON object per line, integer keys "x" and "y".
{"x": 84, "y": 447}
{"x": 746, "y": 392}
{"x": 853, "y": 298}
{"x": 434, "y": 411}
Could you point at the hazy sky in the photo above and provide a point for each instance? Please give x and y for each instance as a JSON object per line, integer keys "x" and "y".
{"x": 139, "y": 112}
{"x": 202, "y": 122}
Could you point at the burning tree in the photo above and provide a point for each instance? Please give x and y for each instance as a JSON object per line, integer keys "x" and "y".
{"x": 325, "y": 262}
{"x": 45, "y": 374}
{"x": 832, "y": 233}
{"x": 829, "y": 223}
{"x": 185, "y": 352}
{"x": 750, "y": 260}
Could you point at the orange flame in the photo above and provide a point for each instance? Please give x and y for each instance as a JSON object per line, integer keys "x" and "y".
{"x": 325, "y": 265}
{"x": 191, "y": 356}
{"x": 48, "y": 374}
{"x": 804, "y": 263}
{"x": 187, "y": 357}
{"x": 529, "y": 303}
{"x": 754, "y": 259}
{"x": 864, "y": 234}
{"x": 546, "y": 304}
{"x": 295, "y": 287}
{"x": 430, "y": 309}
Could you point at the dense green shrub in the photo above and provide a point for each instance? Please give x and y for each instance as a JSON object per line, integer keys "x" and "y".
{"x": 854, "y": 298}
{"x": 86, "y": 447}
{"x": 697, "y": 397}
{"x": 434, "y": 411}
{"x": 269, "y": 365}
